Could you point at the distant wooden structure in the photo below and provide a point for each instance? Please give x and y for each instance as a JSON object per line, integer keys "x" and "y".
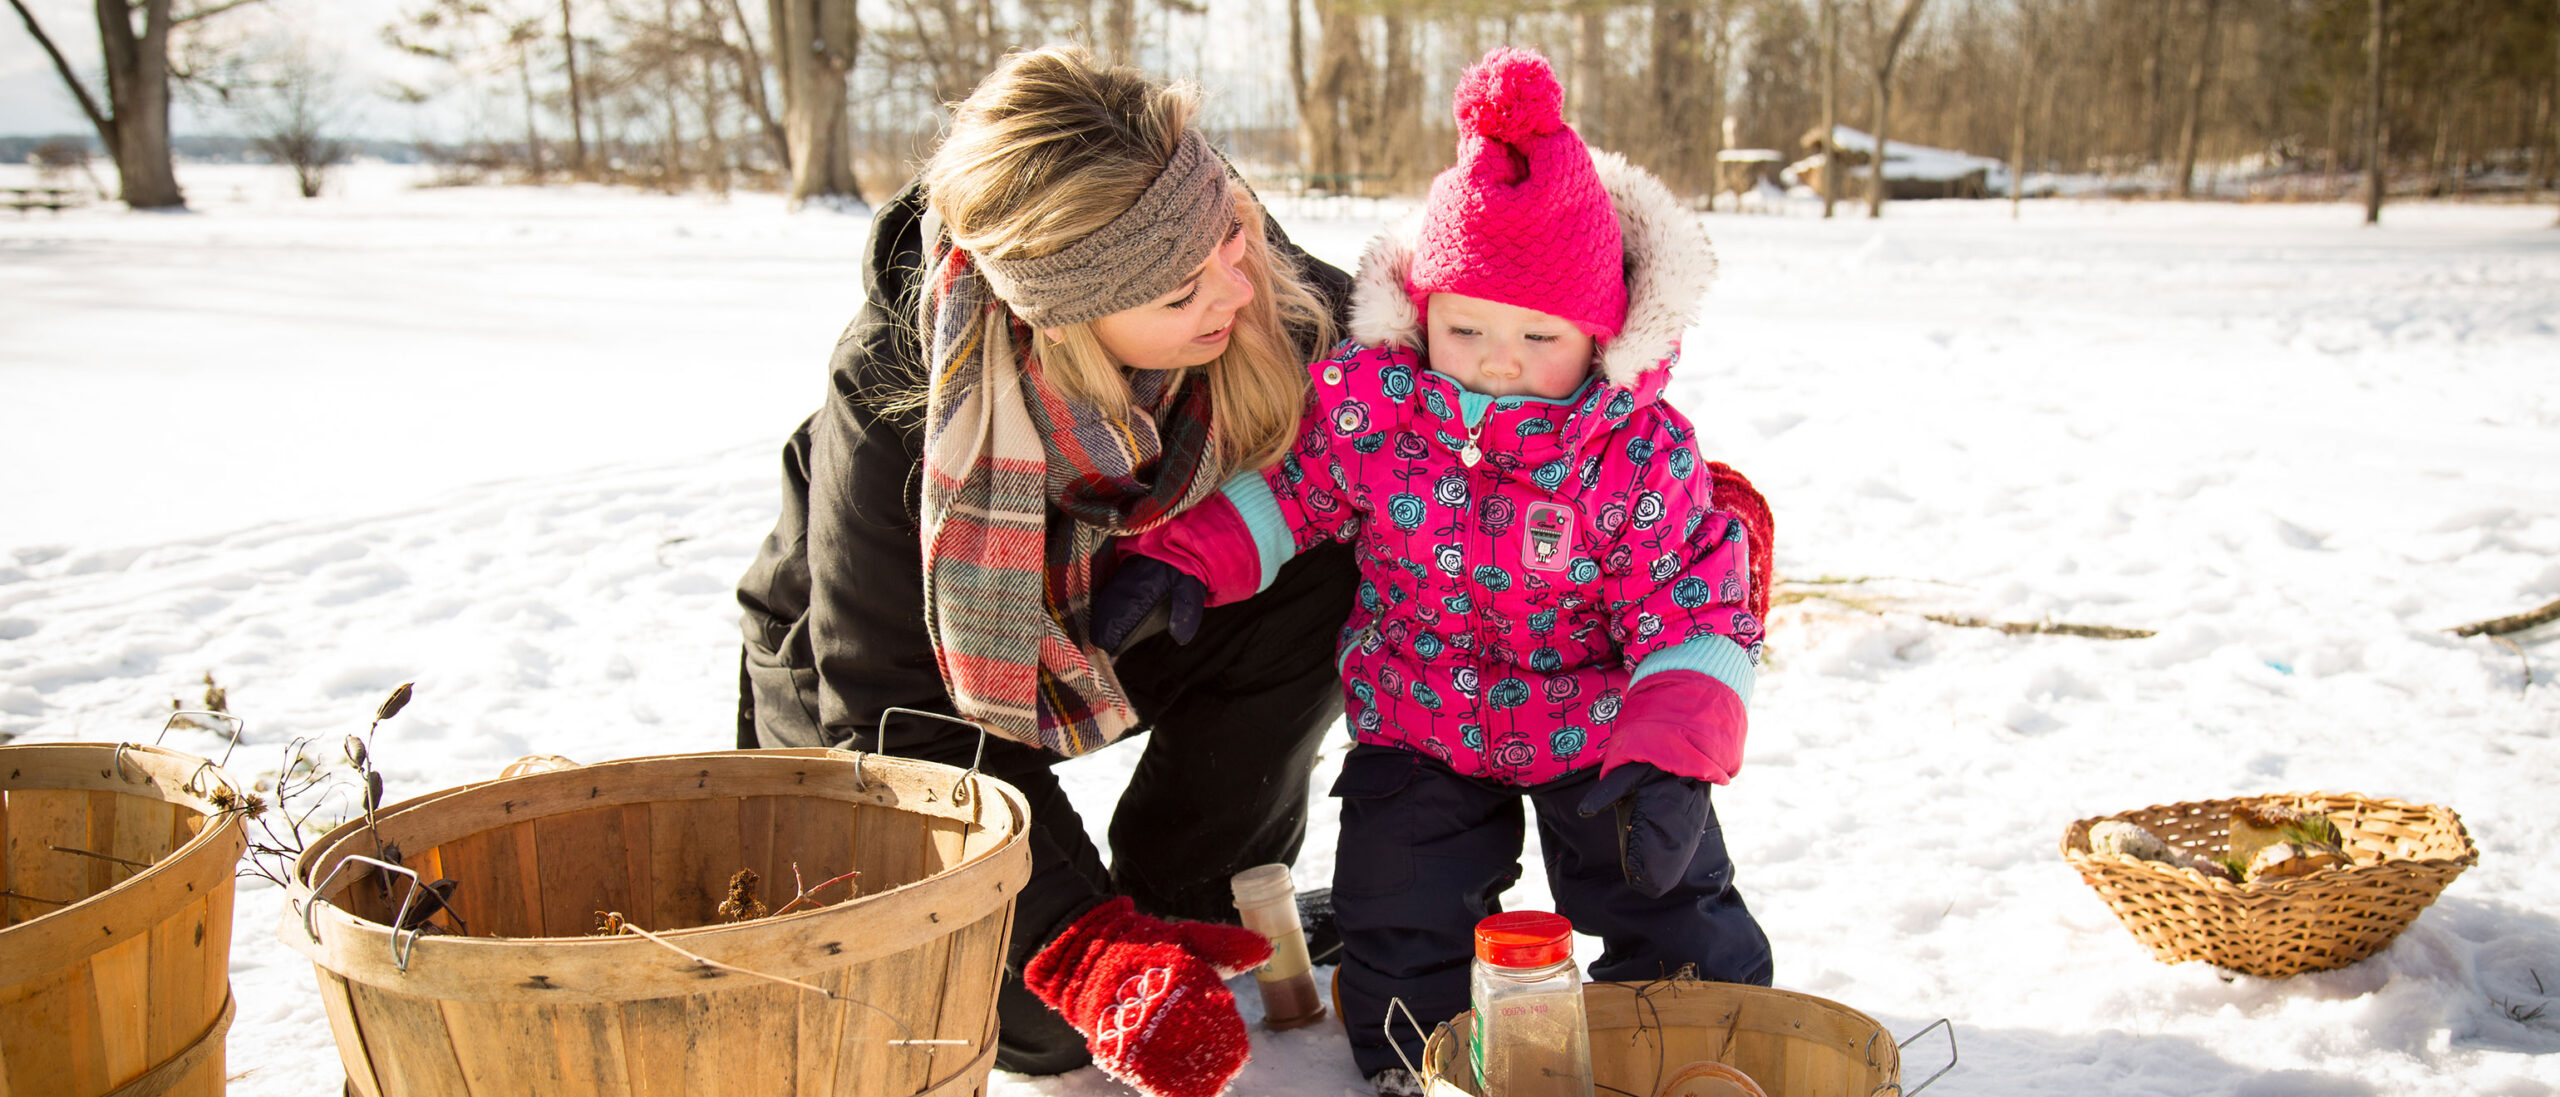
{"x": 1910, "y": 171}
{"x": 1740, "y": 171}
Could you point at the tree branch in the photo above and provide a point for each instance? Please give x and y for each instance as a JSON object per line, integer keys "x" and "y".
{"x": 205, "y": 13}
{"x": 2500, "y": 626}
{"x": 106, "y": 126}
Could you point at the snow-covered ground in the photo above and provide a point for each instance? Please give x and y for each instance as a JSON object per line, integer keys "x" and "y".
{"x": 517, "y": 445}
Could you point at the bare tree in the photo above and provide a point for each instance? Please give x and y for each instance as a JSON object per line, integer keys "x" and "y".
{"x": 577, "y": 90}
{"x": 291, "y": 105}
{"x": 1830, "y": 105}
{"x": 2029, "y": 44}
{"x": 1887, "y": 51}
{"x": 2197, "y": 76}
{"x": 2377, "y": 38}
{"x": 814, "y": 44}
{"x": 134, "y": 123}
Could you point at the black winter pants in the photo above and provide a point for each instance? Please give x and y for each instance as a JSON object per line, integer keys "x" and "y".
{"x": 1235, "y": 718}
{"x": 1426, "y": 853}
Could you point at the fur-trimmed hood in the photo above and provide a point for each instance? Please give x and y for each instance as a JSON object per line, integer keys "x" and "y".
{"x": 1669, "y": 265}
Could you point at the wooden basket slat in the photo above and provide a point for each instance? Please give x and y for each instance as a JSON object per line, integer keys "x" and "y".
{"x": 585, "y": 869}
{"x": 820, "y": 842}
{"x": 121, "y": 975}
{"x": 570, "y": 1051}
{"x": 348, "y": 1031}
{"x": 818, "y": 1027}
{"x": 906, "y": 986}
{"x": 755, "y": 850}
{"x": 405, "y": 1037}
{"x": 43, "y": 880}
{"x": 2402, "y": 856}
{"x": 890, "y": 845}
{"x": 970, "y": 978}
{"x": 693, "y": 851}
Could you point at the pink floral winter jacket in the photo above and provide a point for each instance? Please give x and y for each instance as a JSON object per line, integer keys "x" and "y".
{"x": 1586, "y": 592}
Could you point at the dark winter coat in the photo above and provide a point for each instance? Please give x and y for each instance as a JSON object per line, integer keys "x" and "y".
{"x": 834, "y": 602}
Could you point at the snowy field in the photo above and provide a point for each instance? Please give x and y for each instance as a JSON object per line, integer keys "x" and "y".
{"x": 517, "y": 445}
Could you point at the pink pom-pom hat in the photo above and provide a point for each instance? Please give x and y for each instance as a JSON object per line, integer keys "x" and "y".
{"x": 1521, "y": 218}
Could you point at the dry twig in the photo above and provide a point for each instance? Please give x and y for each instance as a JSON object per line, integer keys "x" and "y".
{"x": 2516, "y": 622}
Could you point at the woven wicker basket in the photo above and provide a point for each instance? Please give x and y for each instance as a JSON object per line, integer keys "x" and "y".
{"x": 2402, "y": 855}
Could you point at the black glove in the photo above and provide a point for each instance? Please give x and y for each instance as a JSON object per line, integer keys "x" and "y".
{"x": 1139, "y": 588}
{"x": 1660, "y": 818}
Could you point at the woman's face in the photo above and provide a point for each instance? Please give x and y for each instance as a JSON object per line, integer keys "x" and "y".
{"x": 1190, "y": 325}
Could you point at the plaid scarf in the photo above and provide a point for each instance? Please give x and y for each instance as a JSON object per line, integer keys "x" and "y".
{"x": 1022, "y": 488}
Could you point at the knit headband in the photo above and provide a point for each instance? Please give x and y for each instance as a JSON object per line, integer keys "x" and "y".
{"x": 1141, "y": 255}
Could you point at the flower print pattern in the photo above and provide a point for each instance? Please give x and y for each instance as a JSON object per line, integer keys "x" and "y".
{"x": 1567, "y": 741}
{"x": 1396, "y": 381}
{"x": 1451, "y": 491}
{"x": 1458, "y": 648}
{"x": 1451, "y": 559}
{"x": 1648, "y": 509}
{"x": 1351, "y": 418}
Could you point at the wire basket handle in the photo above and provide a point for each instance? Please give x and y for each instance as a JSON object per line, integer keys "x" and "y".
{"x": 880, "y": 745}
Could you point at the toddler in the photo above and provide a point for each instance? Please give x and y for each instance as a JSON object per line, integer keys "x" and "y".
{"x": 1559, "y": 600}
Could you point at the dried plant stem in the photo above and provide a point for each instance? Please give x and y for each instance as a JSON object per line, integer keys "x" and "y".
{"x": 2042, "y": 628}
{"x": 2500, "y": 626}
{"x": 809, "y": 894}
{"x": 34, "y": 898}
{"x": 100, "y": 856}
{"x": 911, "y": 1041}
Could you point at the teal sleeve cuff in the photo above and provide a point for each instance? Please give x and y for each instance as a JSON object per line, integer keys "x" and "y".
{"x": 1260, "y": 509}
{"x": 1713, "y": 655}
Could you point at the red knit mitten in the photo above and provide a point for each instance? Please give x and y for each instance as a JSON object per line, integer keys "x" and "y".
{"x": 1148, "y": 996}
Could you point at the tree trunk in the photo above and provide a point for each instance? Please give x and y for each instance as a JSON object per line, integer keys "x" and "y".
{"x": 1830, "y": 105}
{"x": 1677, "y": 91}
{"x": 138, "y": 100}
{"x": 1119, "y": 31}
{"x": 814, "y": 43}
{"x": 2026, "y": 96}
{"x": 1892, "y": 49}
{"x": 532, "y": 135}
{"x": 2376, "y": 135}
{"x": 1333, "y": 95}
{"x": 749, "y": 62}
{"x": 2197, "y": 77}
{"x": 577, "y": 93}
{"x": 2155, "y": 77}
{"x": 1587, "y": 100}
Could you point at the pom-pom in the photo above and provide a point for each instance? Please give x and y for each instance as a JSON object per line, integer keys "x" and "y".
{"x": 1510, "y": 96}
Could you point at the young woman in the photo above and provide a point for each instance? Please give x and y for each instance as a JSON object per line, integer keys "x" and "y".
{"x": 1078, "y": 324}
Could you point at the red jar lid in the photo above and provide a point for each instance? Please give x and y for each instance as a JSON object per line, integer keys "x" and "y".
{"x": 1524, "y": 938}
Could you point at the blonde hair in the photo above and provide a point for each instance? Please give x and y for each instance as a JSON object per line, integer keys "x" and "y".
{"x": 1051, "y": 147}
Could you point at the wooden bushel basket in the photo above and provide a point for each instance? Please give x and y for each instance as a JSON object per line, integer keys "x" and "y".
{"x": 528, "y": 1004}
{"x": 115, "y": 961}
{"x": 1792, "y": 1045}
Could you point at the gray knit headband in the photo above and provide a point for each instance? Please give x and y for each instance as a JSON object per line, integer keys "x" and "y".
{"x": 1141, "y": 255}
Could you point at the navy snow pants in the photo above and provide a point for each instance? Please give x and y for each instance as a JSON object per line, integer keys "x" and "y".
{"x": 1425, "y": 854}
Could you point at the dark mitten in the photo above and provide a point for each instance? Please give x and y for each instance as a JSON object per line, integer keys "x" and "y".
{"x": 1149, "y": 996}
{"x": 1660, "y": 817}
{"x": 1138, "y": 586}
